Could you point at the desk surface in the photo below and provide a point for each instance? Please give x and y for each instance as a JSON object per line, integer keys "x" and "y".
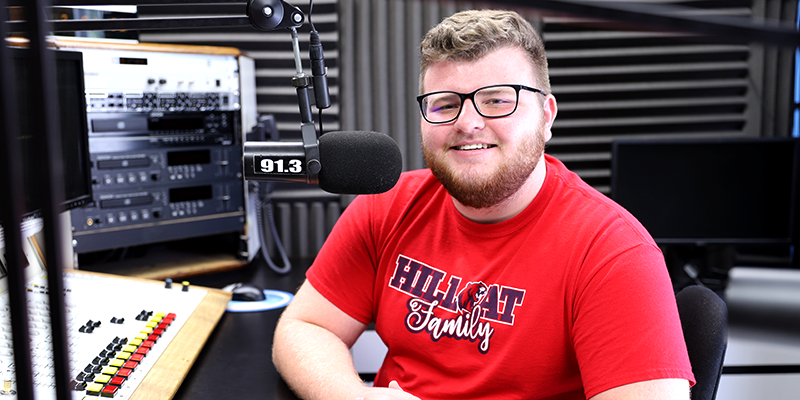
{"x": 236, "y": 361}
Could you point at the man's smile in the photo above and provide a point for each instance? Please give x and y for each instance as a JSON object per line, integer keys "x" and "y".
{"x": 476, "y": 146}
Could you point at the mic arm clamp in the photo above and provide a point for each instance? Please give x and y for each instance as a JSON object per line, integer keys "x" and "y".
{"x": 268, "y": 15}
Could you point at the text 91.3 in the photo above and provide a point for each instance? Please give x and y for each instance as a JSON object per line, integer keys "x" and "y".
{"x": 278, "y": 165}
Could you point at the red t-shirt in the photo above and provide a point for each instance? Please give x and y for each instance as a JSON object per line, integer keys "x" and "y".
{"x": 566, "y": 300}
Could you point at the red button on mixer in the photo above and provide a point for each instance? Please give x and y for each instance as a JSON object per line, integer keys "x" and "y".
{"x": 117, "y": 380}
{"x": 109, "y": 391}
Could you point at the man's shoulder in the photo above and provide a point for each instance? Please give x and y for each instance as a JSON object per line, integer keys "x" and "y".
{"x": 570, "y": 185}
{"x": 586, "y": 206}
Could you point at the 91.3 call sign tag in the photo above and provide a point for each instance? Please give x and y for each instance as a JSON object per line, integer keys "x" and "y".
{"x": 276, "y": 165}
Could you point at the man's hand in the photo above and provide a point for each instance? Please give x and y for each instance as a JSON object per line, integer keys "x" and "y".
{"x": 311, "y": 351}
{"x": 393, "y": 392}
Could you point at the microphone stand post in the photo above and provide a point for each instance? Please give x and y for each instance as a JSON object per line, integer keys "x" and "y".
{"x": 301, "y": 82}
{"x": 269, "y": 15}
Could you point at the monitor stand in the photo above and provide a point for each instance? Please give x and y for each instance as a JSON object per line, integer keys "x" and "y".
{"x": 699, "y": 264}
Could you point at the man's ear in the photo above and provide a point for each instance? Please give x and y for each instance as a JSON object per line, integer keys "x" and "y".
{"x": 549, "y": 111}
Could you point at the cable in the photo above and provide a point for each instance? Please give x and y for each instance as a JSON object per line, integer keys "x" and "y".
{"x": 287, "y": 265}
{"x": 310, "y": 10}
{"x": 263, "y": 202}
{"x": 318, "y": 69}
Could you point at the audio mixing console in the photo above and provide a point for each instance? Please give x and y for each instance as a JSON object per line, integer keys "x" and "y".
{"x": 118, "y": 329}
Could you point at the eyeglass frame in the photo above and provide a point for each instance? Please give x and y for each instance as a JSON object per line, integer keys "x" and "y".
{"x": 471, "y": 96}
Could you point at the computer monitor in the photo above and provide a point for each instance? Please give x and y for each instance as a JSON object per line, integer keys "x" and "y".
{"x": 72, "y": 128}
{"x": 709, "y": 191}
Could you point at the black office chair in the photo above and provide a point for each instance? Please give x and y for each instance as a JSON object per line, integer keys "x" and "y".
{"x": 704, "y": 317}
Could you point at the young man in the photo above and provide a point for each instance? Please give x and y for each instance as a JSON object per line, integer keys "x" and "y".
{"x": 497, "y": 273}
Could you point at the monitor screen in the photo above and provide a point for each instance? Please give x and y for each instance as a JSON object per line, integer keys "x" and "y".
{"x": 731, "y": 191}
{"x": 72, "y": 128}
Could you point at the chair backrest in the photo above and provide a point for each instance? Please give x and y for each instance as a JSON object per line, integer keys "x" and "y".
{"x": 704, "y": 317}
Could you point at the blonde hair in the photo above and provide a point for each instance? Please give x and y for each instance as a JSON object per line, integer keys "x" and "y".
{"x": 469, "y": 35}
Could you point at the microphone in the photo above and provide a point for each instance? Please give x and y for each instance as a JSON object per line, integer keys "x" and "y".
{"x": 350, "y": 162}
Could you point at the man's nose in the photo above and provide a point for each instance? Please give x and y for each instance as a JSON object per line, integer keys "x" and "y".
{"x": 469, "y": 117}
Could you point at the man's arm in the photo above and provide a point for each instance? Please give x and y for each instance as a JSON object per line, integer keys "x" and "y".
{"x": 311, "y": 350}
{"x": 658, "y": 389}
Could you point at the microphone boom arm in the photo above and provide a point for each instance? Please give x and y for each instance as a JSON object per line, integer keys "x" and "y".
{"x": 672, "y": 18}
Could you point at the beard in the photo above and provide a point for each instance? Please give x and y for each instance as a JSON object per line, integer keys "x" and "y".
{"x": 482, "y": 191}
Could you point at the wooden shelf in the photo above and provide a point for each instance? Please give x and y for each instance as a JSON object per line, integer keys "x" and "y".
{"x": 170, "y": 263}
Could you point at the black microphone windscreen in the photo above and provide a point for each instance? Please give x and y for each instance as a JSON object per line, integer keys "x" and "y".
{"x": 704, "y": 317}
{"x": 358, "y": 162}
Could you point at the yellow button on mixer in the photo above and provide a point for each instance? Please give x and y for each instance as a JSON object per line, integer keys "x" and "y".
{"x": 130, "y": 348}
{"x": 103, "y": 378}
{"x": 116, "y": 363}
{"x": 94, "y": 389}
{"x": 110, "y": 370}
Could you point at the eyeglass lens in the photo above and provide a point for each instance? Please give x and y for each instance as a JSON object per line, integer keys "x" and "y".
{"x": 496, "y": 101}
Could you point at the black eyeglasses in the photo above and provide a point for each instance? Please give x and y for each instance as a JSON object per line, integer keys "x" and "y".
{"x": 491, "y": 102}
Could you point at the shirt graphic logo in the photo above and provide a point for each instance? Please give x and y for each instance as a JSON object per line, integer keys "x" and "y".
{"x": 471, "y": 296}
{"x": 475, "y": 305}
